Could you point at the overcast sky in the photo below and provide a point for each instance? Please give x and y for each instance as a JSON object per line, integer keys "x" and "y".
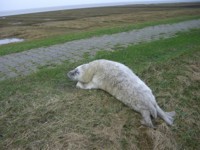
{"x": 9, "y": 5}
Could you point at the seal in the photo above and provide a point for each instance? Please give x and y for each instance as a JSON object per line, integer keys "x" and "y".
{"x": 120, "y": 81}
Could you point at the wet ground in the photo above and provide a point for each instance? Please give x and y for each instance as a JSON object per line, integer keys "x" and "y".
{"x": 10, "y": 40}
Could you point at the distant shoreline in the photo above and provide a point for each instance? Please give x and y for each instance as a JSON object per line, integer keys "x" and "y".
{"x": 49, "y": 9}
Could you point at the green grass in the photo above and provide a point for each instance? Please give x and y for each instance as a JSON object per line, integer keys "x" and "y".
{"x": 147, "y": 54}
{"x": 19, "y": 47}
{"x": 46, "y": 111}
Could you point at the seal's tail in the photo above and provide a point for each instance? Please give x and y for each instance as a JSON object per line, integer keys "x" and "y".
{"x": 168, "y": 117}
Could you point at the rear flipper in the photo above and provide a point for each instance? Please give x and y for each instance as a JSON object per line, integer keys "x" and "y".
{"x": 168, "y": 117}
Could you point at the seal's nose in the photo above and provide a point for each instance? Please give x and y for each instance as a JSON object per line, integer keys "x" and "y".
{"x": 69, "y": 74}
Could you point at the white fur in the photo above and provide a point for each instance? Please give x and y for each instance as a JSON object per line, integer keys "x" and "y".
{"x": 122, "y": 83}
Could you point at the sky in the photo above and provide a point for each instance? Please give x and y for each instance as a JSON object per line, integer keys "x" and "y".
{"x": 10, "y": 5}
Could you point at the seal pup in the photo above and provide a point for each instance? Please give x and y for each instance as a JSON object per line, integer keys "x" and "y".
{"x": 120, "y": 81}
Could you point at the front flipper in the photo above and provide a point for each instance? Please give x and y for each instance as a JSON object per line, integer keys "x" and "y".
{"x": 146, "y": 119}
{"x": 86, "y": 86}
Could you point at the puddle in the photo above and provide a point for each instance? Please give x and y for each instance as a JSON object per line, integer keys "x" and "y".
{"x": 10, "y": 40}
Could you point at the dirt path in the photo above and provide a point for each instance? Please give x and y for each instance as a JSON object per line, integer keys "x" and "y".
{"x": 25, "y": 63}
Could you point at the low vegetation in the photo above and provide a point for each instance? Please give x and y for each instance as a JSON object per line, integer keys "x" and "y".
{"x": 45, "y": 29}
{"x": 46, "y": 111}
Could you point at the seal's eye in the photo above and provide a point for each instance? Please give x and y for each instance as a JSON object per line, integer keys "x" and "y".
{"x": 76, "y": 72}
{"x": 73, "y": 73}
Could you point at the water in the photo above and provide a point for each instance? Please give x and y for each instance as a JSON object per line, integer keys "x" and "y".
{"x": 10, "y": 40}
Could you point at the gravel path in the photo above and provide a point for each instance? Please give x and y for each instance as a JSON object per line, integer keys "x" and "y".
{"x": 27, "y": 62}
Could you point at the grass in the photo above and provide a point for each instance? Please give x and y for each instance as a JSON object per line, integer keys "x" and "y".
{"x": 46, "y": 111}
{"x": 19, "y": 47}
{"x": 145, "y": 54}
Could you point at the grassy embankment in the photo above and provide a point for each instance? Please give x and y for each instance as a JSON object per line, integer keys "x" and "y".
{"x": 46, "y": 111}
{"x": 19, "y": 47}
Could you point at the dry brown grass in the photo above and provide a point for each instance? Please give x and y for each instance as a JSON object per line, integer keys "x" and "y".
{"x": 64, "y": 22}
{"x": 59, "y": 116}
{"x": 180, "y": 89}
{"x": 46, "y": 111}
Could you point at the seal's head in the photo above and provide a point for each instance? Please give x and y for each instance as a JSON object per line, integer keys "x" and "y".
{"x": 77, "y": 73}
{"x": 74, "y": 74}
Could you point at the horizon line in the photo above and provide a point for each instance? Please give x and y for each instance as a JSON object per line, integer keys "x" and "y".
{"x": 71, "y": 7}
